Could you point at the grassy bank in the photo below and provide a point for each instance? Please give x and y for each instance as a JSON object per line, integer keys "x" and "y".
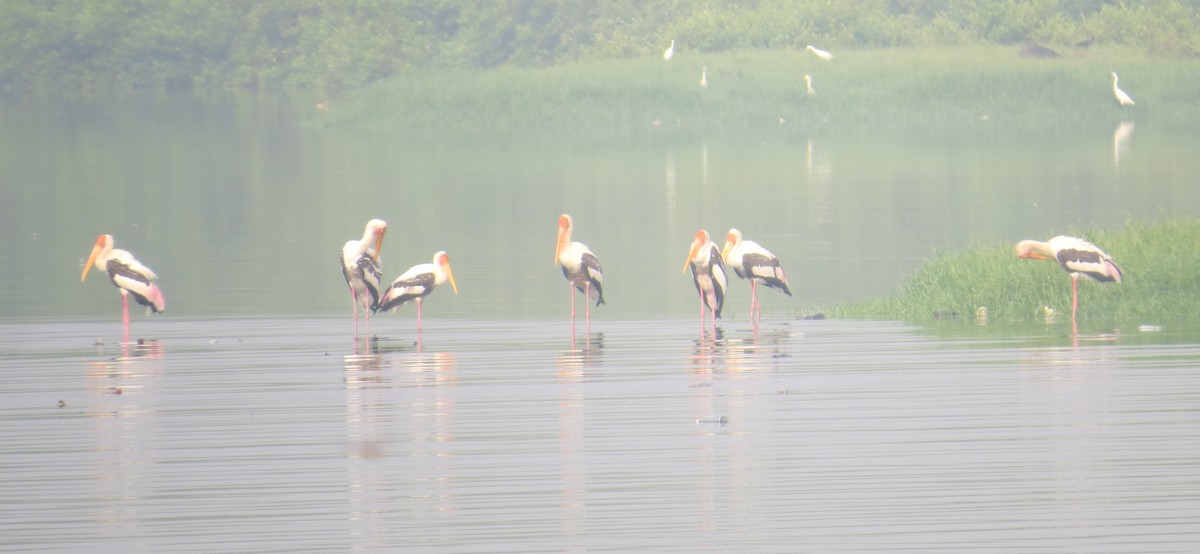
{"x": 755, "y": 90}
{"x": 1159, "y": 262}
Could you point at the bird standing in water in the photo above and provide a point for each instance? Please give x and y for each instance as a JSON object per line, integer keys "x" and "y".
{"x": 1077, "y": 257}
{"x": 360, "y": 267}
{"x": 580, "y": 267}
{"x": 753, "y": 262}
{"x": 709, "y": 275}
{"x": 129, "y": 276}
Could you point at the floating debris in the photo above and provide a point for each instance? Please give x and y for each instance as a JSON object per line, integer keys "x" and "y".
{"x": 719, "y": 420}
{"x": 99, "y": 342}
{"x": 1150, "y": 328}
{"x": 62, "y": 403}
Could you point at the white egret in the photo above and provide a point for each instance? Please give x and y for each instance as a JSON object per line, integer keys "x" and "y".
{"x": 808, "y": 85}
{"x": 703, "y": 77}
{"x": 1122, "y": 98}
{"x": 669, "y": 52}
{"x": 819, "y": 53}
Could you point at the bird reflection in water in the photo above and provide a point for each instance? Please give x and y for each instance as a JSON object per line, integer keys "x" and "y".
{"x": 123, "y": 373}
{"x": 573, "y": 365}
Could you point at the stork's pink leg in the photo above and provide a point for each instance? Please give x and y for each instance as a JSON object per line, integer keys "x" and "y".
{"x": 1074, "y": 295}
{"x": 354, "y": 306}
{"x": 419, "y": 314}
{"x": 587, "y": 302}
{"x": 571, "y": 287}
{"x": 124, "y": 316}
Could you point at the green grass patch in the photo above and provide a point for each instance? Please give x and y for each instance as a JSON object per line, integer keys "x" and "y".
{"x": 1159, "y": 261}
{"x": 754, "y": 90}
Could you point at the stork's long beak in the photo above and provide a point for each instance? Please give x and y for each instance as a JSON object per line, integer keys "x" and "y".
{"x": 91, "y": 261}
{"x": 562, "y": 242}
{"x": 725, "y": 250}
{"x": 449, "y": 274}
{"x": 379, "y": 244}
{"x": 691, "y": 254}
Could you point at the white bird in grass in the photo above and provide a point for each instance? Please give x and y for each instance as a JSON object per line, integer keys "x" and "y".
{"x": 360, "y": 267}
{"x": 1077, "y": 257}
{"x": 417, "y": 283}
{"x": 819, "y": 53}
{"x": 580, "y": 267}
{"x": 669, "y": 52}
{"x": 1122, "y": 98}
{"x": 753, "y": 262}
{"x": 808, "y": 85}
{"x": 703, "y": 77}
{"x": 128, "y": 275}
{"x": 709, "y": 274}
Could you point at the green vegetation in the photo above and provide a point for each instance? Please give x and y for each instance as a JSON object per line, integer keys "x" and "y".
{"x": 1159, "y": 262}
{"x": 333, "y": 46}
{"x": 898, "y": 88}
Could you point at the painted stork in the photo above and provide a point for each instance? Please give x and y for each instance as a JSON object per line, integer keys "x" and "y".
{"x": 819, "y": 53}
{"x": 1122, "y": 98}
{"x": 753, "y": 262}
{"x": 709, "y": 274}
{"x": 580, "y": 267}
{"x": 360, "y": 267}
{"x": 128, "y": 275}
{"x": 1077, "y": 257}
{"x": 417, "y": 283}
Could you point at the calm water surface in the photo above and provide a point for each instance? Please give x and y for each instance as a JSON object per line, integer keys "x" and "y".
{"x": 250, "y": 420}
{"x": 286, "y": 435}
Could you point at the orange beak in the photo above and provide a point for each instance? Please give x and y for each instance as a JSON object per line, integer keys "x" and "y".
{"x": 562, "y": 242}
{"x": 379, "y": 243}
{"x": 92, "y": 258}
{"x": 696, "y": 244}
{"x": 91, "y": 261}
{"x": 445, "y": 262}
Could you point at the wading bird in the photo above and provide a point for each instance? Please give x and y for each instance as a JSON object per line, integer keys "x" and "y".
{"x": 1122, "y": 98}
{"x": 669, "y": 52}
{"x": 819, "y": 53}
{"x": 580, "y": 267}
{"x": 703, "y": 77}
{"x": 129, "y": 276}
{"x": 708, "y": 272}
{"x": 808, "y": 85}
{"x": 360, "y": 267}
{"x": 1077, "y": 257}
{"x": 417, "y": 283}
{"x": 753, "y": 262}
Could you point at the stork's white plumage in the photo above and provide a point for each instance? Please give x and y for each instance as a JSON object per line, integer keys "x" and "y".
{"x": 579, "y": 266}
{"x": 130, "y": 277}
{"x": 1077, "y": 257}
{"x": 361, "y": 268}
{"x": 819, "y": 53}
{"x": 709, "y": 275}
{"x": 753, "y": 262}
{"x": 1122, "y": 98}
{"x": 417, "y": 283}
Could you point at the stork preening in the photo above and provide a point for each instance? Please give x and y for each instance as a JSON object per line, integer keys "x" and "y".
{"x": 360, "y": 267}
{"x": 709, "y": 275}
